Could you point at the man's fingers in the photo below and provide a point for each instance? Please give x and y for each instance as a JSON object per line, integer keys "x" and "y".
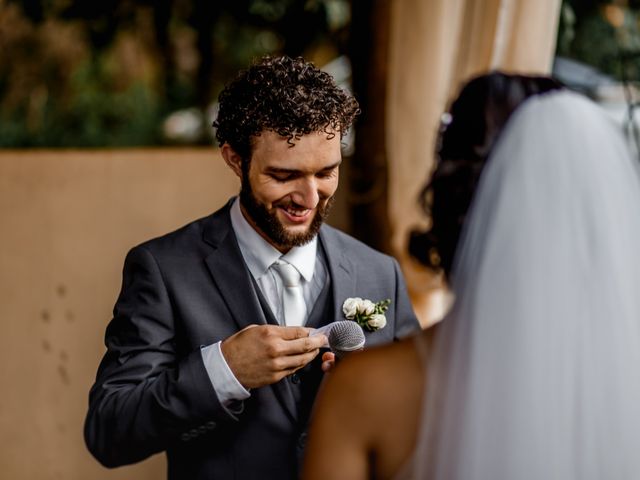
{"x": 290, "y": 333}
{"x": 328, "y": 366}
{"x": 262, "y": 354}
{"x": 328, "y": 356}
{"x": 293, "y": 333}
{"x": 328, "y": 361}
{"x": 303, "y": 345}
{"x": 291, "y": 363}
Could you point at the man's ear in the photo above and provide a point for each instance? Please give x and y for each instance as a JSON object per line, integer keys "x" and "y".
{"x": 232, "y": 159}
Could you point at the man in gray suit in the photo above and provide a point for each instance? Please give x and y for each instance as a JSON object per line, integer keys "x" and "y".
{"x": 209, "y": 356}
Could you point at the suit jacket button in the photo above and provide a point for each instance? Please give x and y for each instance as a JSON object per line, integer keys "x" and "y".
{"x": 211, "y": 425}
{"x": 295, "y": 378}
{"x": 193, "y": 433}
{"x": 185, "y": 437}
{"x": 202, "y": 430}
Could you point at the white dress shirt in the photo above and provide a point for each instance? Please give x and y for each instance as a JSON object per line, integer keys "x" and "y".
{"x": 259, "y": 255}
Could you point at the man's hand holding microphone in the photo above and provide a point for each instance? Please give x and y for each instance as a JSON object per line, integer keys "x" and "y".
{"x": 260, "y": 355}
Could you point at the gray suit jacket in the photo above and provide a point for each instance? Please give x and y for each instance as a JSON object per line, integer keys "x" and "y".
{"x": 192, "y": 288}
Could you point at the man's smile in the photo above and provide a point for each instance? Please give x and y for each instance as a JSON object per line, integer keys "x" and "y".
{"x": 296, "y": 214}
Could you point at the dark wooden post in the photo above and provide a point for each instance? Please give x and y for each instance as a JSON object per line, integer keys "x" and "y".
{"x": 368, "y": 169}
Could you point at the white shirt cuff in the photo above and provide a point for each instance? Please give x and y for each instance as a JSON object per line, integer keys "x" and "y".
{"x": 226, "y": 385}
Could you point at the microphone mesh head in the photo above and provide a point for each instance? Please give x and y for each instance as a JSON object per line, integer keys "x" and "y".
{"x": 345, "y": 336}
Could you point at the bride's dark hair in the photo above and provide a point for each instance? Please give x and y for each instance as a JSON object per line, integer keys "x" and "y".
{"x": 467, "y": 136}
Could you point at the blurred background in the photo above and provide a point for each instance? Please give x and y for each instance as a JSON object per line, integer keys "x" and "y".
{"x": 106, "y": 140}
{"x": 122, "y": 73}
{"x": 78, "y": 73}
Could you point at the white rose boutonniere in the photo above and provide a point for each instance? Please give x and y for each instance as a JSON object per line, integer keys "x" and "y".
{"x": 350, "y": 307}
{"x": 377, "y": 321}
{"x": 367, "y": 314}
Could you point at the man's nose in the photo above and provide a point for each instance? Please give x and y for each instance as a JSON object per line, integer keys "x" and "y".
{"x": 306, "y": 193}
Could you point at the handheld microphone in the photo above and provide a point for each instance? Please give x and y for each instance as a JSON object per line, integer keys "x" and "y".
{"x": 344, "y": 336}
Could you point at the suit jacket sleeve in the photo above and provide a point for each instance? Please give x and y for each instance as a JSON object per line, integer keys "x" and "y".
{"x": 147, "y": 394}
{"x": 406, "y": 321}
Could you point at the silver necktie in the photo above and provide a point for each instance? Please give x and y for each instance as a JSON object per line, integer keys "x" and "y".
{"x": 293, "y": 304}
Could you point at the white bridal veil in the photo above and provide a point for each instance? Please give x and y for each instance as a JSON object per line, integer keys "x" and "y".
{"x": 536, "y": 372}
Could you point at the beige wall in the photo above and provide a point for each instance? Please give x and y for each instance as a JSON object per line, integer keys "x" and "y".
{"x": 67, "y": 219}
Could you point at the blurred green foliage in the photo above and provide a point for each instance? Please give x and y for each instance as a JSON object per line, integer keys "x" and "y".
{"x": 80, "y": 73}
{"x": 604, "y": 34}
{"x": 95, "y": 115}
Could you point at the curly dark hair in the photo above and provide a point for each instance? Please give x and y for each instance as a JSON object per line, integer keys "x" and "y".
{"x": 475, "y": 121}
{"x": 289, "y": 96}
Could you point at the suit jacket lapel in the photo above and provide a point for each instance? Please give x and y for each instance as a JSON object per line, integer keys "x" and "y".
{"x": 239, "y": 291}
{"x": 343, "y": 274}
{"x": 229, "y": 272}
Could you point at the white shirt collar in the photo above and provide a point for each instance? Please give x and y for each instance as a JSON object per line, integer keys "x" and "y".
{"x": 260, "y": 254}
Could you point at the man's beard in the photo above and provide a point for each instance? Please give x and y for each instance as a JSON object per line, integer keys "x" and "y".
{"x": 268, "y": 222}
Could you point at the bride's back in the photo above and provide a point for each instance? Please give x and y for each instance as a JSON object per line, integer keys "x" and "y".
{"x": 535, "y": 373}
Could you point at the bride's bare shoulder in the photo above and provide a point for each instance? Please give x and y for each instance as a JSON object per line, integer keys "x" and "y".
{"x": 395, "y": 362}
{"x": 375, "y": 398}
{"x": 367, "y": 413}
{"x": 388, "y": 362}
{"x": 380, "y": 378}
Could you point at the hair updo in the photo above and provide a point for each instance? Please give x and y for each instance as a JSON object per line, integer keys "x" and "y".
{"x": 467, "y": 136}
